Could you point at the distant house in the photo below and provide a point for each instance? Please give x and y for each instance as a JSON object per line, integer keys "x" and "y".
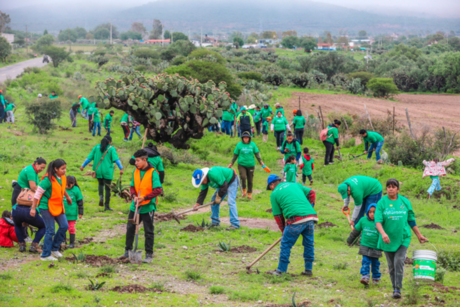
{"x": 9, "y": 37}
{"x": 208, "y": 39}
{"x": 326, "y": 47}
{"x": 364, "y": 40}
{"x": 157, "y": 42}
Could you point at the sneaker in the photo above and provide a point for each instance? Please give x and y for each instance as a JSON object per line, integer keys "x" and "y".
{"x": 332, "y": 162}
{"x": 365, "y": 281}
{"x": 125, "y": 255}
{"x": 101, "y": 203}
{"x": 307, "y": 273}
{"x": 22, "y": 247}
{"x": 376, "y": 281}
{"x": 56, "y": 254}
{"x": 275, "y": 273}
{"x": 28, "y": 240}
{"x": 148, "y": 258}
{"x": 311, "y": 182}
{"x": 396, "y": 294}
{"x": 49, "y": 258}
{"x": 34, "y": 248}
{"x": 125, "y": 140}
{"x": 232, "y": 228}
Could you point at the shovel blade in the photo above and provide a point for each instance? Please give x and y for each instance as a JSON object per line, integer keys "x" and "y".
{"x": 135, "y": 257}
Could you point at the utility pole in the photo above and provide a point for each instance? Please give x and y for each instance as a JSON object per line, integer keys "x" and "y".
{"x": 68, "y": 31}
{"x": 201, "y": 37}
{"x": 172, "y": 41}
{"x": 110, "y": 42}
{"x": 27, "y": 43}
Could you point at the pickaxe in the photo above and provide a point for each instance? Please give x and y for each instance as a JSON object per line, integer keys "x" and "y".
{"x": 176, "y": 215}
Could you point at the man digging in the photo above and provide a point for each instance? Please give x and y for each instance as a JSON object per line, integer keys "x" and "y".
{"x": 292, "y": 206}
{"x": 225, "y": 181}
{"x": 146, "y": 185}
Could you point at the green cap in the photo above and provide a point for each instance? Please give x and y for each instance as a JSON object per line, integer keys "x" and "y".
{"x": 343, "y": 190}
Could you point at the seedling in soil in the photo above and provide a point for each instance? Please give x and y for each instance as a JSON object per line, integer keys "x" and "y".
{"x": 224, "y": 247}
{"x": 94, "y": 286}
{"x": 203, "y": 224}
{"x": 79, "y": 258}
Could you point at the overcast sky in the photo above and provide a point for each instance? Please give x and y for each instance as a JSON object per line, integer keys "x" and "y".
{"x": 442, "y": 8}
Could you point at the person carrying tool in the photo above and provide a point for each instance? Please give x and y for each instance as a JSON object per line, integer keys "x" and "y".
{"x": 434, "y": 169}
{"x": 145, "y": 187}
{"x": 292, "y": 206}
{"x": 245, "y": 121}
{"x": 84, "y": 106}
{"x": 245, "y": 152}
{"x": 291, "y": 147}
{"x": 364, "y": 191}
{"x": 368, "y": 246}
{"x": 266, "y": 112}
{"x": 376, "y": 141}
{"x": 225, "y": 181}
{"x": 74, "y": 110}
{"x": 329, "y": 136}
{"x": 154, "y": 159}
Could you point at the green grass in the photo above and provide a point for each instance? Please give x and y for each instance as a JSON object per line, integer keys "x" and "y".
{"x": 216, "y": 290}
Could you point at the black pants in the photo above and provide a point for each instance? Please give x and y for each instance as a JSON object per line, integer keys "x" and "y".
{"x": 329, "y": 152}
{"x": 304, "y": 178}
{"x": 104, "y": 183}
{"x": 279, "y": 135}
{"x": 258, "y": 125}
{"x": 147, "y": 219}
{"x": 125, "y": 131}
{"x": 299, "y": 135}
{"x": 90, "y": 124}
{"x": 14, "y": 197}
{"x": 246, "y": 174}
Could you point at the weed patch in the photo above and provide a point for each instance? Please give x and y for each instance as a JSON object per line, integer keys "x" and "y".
{"x": 216, "y": 290}
{"x": 192, "y": 275}
{"x": 61, "y": 288}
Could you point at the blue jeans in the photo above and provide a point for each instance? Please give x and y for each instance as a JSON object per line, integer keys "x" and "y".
{"x": 238, "y": 128}
{"x": 375, "y": 147}
{"x": 290, "y": 235}
{"x": 226, "y": 127}
{"x": 84, "y": 114}
{"x": 435, "y": 185}
{"x": 231, "y": 200}
{"x": 53, "y": 239}
{"x": 367, "y": 201}
{"x": 367, "y": 262}
{"x": 136, "y": 129}
{"x": 98, "y": 126}
{"x": 108, "y": 131}
{"x": 21, "y": 214}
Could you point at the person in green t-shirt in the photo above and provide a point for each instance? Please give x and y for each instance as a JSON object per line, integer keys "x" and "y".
{"x": 376, "y": 141}
{"x": 96, "y": 119}
{"x": 108, "y": 121}
{"x": 53, "y": 95}
{"x": 279, "y": 126}
{"x": 104, "y": 156}
{"x": 291, "y": 147}
{"x": 299, "y": 126}
{"x": 332, "y": 138}
{"x": 265, "y": 127}
{"x": 84, "y": 106}
{"x": 154, "y": 159}
{"x": 290, "y": 169}
{"x": 368, "y": 246}
{"x": 257, "y": 119}
{"x": 73, "y": 211}
{"x": 91, "y": 109}
{"x": 9, "y": 109}
{"x": 307, "y": 166}
{"x": 125, "y": 121}
{"x": 245, "y": 152}
{"x": 279, "y": 108}
{"x": 266, "y": 112}
{"x": 364, "y": 191}
{"x": 225, "y": 181}
{"x": 292, "y": 208}
{"x": 394, "y": 218}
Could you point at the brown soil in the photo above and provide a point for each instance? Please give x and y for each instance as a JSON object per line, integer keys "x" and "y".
{"x": 192, "y": 228}
{"x": 102, "y": 275}
{"x": 432, "y": 226}
{"x": 302, "y": 304}
{"x": 445, "y": 192}
{"x": 243, "y": 249}
{"x": 99, "y": 261}
{"x": 254, "y": 223}
{"x": 134, "y": 289}
{"x": 166, "y": 217}
{"x": 444, "y": 288}
{"x": 326, "y": 225}
{"x": 409, "y": 261}
{"x": 86, "y": 241}
{"x": 269, "y": 210}
{"x": 456, "y": 207}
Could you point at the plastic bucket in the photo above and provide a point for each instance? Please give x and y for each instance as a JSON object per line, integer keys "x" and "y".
{"x": 424, "y": 264}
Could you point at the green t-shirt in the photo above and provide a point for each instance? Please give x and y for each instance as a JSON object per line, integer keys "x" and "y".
{"x": 299, "y": 122}
{"x": 246, "y": 153}
{"x": 265, "y": 125}
{"x": 394, "y": 215}
{"x": 96, "y": 116}
{"x": 125, "y": 118}
{"x": 279, "y": 123}
{"x": 27, "y": 174}
{"x": 108, "y": 121}
{"x": 10, "y": 107}
{"x": 52, "y": 97}
{"x": 71, "y": 211}
{"x": 290, "y": 199}
{"x": 266, "y": 112}
{"x": 361, "y": 187}
{"x": 256, "y": 116}
{"x": 217, "y": 176}
{"x": 78, "y": 110}
{"x": 294, "y": 149}
{"x": 369, "y": 235}
{"x": 2, "y": 99}
{"x": 45, "y": 184}
{"x": 92, "y": 109}
{"x": 227, "y": 116}
{"x": 84, "y": 103}
{"x": 278, "y": 110}
{"x": 155, "y": 184}
{"x": 373, "y": 137}
{"x": 290, "y": 170}
{"x": 307, "y": 169}
{"x": 332, "y": 134}
{"x": 157, "y": 163}
{"x": 105, "y": 170}
{"x": 251, "y": 111}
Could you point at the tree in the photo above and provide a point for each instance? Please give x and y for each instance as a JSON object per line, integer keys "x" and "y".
{"x": 101, "y": 33}
{"x": 269, "y": 35}
{"x": 130, "y": 35}
{"x": 454, "y": 42}
{"x": 138, "y": 27}
{"x": 147, "y": 53}
{"x": 56, "y": 54}
{"x": 207, "y": 55}
{"x": 328, "y": 38}
{"x": 329, "y": 63}
{"x": 157, "y": 30}
{"x": 343, "y": 41}
{"x": 45, "y": 32}
{"x": 5, "y": 49}
{"x": 4, "y": 21}
{"x": 115, "y": 33}
{"x": 177, "y": 36}
{"x": 382, "y": 87}
{"x": 167, "y": 35}
{"x": 308, "y": 43}
{"x": 252, "y": 39}
{"x": 66, "y": 35}
{"x": 362, "y": 34}
{"x": 305, "y": 62}
{"x": 238, "y": 42}
{"x": 182, "y": 47}
{"x": 290, "y": 42}
{"x": 44, "y": 41}
{"x": 363, "y": 76}
{"x": 39, "y": 114}
{"x": 289, "y": 33}
{"x": 89, "y": 36}
{"x": 81, "y": 32}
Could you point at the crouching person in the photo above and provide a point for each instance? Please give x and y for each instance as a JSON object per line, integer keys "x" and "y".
{"x": 145, "y": 187}
{"x": 368, "y": 246}
{"x": 292, "y": 205}
{"x": 7, "y": 234}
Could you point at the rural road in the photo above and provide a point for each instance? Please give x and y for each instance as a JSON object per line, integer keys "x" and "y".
{"x": 13, "y": 70}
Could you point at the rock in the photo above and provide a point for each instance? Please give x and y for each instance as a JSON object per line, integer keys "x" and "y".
{"x": 184, "y": 247}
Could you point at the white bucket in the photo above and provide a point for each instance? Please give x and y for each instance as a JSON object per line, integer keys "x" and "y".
{"x": 424, "y": 264}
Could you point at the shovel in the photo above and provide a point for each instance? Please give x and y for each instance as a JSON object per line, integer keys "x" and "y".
{"x": 134, "y": 219}
{"x": 248, "y": 268}
{"x": 136, "y": 256}
{"x": 347, "y": 213}
{"x": 353, "y": 157}
{"x": 176, "y": 215}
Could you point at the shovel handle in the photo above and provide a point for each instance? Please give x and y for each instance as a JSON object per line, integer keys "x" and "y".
{"x": 347, "y": 213}
{"x": 264, "y": 253}
{"x": 190, "y": 210}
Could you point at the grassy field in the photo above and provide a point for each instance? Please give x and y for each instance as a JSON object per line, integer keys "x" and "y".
{"x": 17, "y": 55}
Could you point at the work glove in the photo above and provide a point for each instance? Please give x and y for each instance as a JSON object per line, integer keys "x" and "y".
{"x": 218, "y": 199}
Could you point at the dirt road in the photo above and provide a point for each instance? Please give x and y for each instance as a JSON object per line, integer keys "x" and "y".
{"x": 13, "y": 70}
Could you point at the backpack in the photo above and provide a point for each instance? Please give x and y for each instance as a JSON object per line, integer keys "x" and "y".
{"x": 323, "y": 134}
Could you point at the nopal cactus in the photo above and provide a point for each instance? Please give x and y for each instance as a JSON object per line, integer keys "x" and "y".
{"x": 172, "y": 108}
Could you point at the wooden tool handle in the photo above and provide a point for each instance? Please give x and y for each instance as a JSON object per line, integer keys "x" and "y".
{"x": 263, "y": 254}
{"x": 190, "y": 210}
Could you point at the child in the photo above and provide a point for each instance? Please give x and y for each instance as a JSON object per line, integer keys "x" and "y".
{"x": 290, "y": 170}
{"x": 265, "y": 125}
{"x": 368, "y": 246}
{"x": 307, "y": 166}
{"x": 434, "y": 169}
{"x": 135, "y": 128}
{"x": 7, "y": 233}
{"x": 9, "y": 112}
{"x": 73, "y": 213}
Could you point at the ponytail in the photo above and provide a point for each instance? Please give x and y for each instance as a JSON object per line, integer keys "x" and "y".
{"x": 51, "y": 168}
{"x": 106, "y": 140}
{"x": 39, "y": 161}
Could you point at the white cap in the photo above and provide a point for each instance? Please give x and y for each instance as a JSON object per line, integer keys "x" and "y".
{"x": 39, "y": 95}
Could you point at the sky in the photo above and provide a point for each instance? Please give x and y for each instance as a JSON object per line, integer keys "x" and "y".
{"x": 422, "y": 8}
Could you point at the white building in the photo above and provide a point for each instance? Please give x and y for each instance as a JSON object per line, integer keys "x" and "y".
{"x": 9, "y": 37}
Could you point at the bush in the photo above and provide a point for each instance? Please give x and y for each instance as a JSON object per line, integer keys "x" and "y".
{"x": 141, "y": 68}
{"x": 178, "y": 60}
{"x": 100, "y": 52}
{"x": 40, "y": 114}
{"x": 362, "y": 75}
{"x": 147, "y": 53}
{"x": 205, "y": 54}
{"x": 449, "y": 260}
{"x": 382, "y": 87}
{"x": 411, "y": 152}
{"x": 349, "y": 143}
{"x": 250, "y": 75}
{"x": 356, "y": 86}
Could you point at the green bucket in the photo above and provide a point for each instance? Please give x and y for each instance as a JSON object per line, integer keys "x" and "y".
{"x": 424, "y": 264}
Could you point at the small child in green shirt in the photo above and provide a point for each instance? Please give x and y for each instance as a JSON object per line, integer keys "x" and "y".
{"x": 368, "y": 246}
{"x": 290, "y": 169}
{"x": 265, "y": 125}
{"x": 73, "y": 211}
{"x": 307, "y": 166}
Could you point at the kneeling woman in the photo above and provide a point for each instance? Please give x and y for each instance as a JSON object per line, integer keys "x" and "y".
{"x": 50, "y": 197}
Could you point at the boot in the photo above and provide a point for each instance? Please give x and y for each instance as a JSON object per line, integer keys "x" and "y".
{"x": 107, "y": 207}
{"x": 125, "y": 255}
{"x": 249, "y": 195}
{"x": 244, "y": 193}
{"x": 148, "y": 258}
{"x": 34, "y": 248}
{"x": 101, "y": 200}
{"x": 72, "y": 241}
{"x": 22, "y": 247}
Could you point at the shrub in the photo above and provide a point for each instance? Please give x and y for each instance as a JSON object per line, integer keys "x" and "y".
{"x": 205, "y": 54}
{"x": 349, "y": 143}
{"x": 439, "y": 275}
{"x": 382, "y": 87}
{"x": 141, "y": 68}
{"x": 192, "y": 275}
{"x": 449, "y": 260}
{"x": 411, "y": 152}
{"x": 100, "y": 52}
{"x": 362, "y": 75}
{"x": 57, "y": 54}
{"x": 178, "y": 60}
{"x": 355, "y": 86}
{"x": 250, "y": 75}
{"x": 40, "y": 114}
{"x": 147, "y": 53}
{"x": 216, "y": 290}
